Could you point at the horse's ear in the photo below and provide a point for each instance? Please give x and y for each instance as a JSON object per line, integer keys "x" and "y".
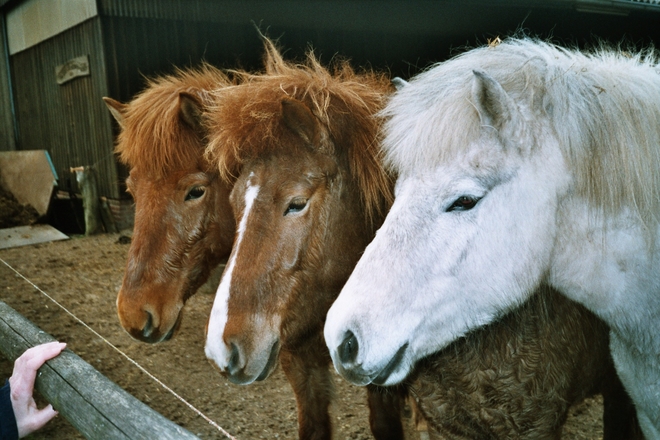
{"x": 299, "y": 118}
{"x": 494, "y": 105}
{"x": 117, "y": 110}
{"x": 191, "y": 109}
{"x": 399, "y": 83}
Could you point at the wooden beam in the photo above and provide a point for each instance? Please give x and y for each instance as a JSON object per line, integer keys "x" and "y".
{"x": 94, "y": 405}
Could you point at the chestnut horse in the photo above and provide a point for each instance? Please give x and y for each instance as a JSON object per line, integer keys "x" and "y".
{"x": 308, "y": 196}
{"x": 299, "y": 144}
{"x": 184, "y": 226}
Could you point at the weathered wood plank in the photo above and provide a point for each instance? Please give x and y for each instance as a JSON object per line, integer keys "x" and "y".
{"x": 94, "y": 405}
{"x": 29, "y": 176}
{"x": 27, "y": 235}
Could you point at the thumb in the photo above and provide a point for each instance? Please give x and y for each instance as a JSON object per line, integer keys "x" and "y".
{"x": 37, "y": 420}
{"x": 43, "y": 416}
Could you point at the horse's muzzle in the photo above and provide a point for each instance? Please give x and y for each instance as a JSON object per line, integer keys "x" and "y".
{"x": 236, "y": 373}
{"x": 151, "y": 334}
{"x": 347, "y": 364}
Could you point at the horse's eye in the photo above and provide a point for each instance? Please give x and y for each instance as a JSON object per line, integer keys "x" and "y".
{"x": 463, "y": 203}
{"x": 295, "y": 206}
{"x": 195, "y": 193}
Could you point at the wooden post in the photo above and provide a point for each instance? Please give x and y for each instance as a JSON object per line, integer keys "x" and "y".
{"x": 86, "y": 178}
{"x": 94, "y": 405}
{"x": 106, "y": 216}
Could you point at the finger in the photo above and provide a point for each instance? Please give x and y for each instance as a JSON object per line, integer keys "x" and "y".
{"x": 36, "y": 420}
{"x": 44, "y": 415}
{"x": 36, "y": 356}
{"x": 26, "y": 366}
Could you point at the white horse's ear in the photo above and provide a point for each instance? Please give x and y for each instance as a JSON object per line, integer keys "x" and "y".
{"x": 399, "y": 83}
{"x": 495, "y": 106}
{"x": 190, "y": 110}
{"x": 117, "y": 110}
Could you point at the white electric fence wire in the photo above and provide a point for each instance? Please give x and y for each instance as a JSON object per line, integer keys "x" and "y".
{"x": 184, "y": 401}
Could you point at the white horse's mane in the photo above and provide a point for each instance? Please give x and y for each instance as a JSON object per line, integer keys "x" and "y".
{"x": 603, "y": 106}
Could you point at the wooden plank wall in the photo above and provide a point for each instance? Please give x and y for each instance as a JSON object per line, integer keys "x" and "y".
{"x": 69, "y": 120}
{"x": 7, "y": 133}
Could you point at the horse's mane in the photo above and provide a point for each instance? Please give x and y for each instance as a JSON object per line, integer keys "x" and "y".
{"x": 603, "y": 106}
{"x": 246, "y": 120}
{"x": 154, "y": 138}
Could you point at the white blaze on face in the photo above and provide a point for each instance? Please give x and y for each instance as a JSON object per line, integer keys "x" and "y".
{"x": 215, "y": 347}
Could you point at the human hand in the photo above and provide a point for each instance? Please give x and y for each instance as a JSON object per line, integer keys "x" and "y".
{"x": 28, "y": 417}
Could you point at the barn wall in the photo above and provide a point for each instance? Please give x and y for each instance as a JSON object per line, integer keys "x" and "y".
{"x": 7, "y": 133}
{"x": 401, "y": 36}
{"x": 142, "y": 47}
{"x": 69, "y": 120}
{"x": 131, "y": 39}
{"x": 145, "y": 37}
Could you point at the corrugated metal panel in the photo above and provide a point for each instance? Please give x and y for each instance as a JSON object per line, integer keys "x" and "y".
{"x": 617, "y": 7}
{"x": 402, "y": 35}
{"x": 139, "y": 47}
{"x": 69, "y": 120}
{"x": 163, "y": 9}
{"x": 644, "y": 4}
{"x": 385, "y": 15}
{"x": 344, "y": 15}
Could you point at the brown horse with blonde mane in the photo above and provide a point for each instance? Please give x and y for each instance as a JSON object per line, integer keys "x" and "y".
{"x": 299, "y": 145}
{"x": 184, "y": 226}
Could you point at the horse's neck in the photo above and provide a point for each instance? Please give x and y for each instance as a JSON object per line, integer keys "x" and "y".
{"x": 608, "y": 265}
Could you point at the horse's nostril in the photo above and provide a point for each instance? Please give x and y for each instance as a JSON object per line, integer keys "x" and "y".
{"x": 234, "y": 360}
{"x": 348, "y": 349}
{"x": 148, "y": 328}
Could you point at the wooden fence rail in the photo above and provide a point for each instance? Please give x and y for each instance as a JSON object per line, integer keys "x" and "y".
{"x": 94, "y": 405}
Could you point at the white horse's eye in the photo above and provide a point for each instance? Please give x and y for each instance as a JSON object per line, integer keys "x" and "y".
{"x": 463, "y": 203}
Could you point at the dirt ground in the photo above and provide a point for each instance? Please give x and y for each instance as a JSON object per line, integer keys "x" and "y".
{"x": 84, "y": 274}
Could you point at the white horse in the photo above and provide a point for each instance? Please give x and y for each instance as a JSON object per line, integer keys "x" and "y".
{"x": 518, "y": 164}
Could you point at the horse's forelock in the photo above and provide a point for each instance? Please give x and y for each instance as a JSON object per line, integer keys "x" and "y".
{"x": 428, "y": 121}
{"x": 155, "y": 139}
{"x": 245, "y": 120}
